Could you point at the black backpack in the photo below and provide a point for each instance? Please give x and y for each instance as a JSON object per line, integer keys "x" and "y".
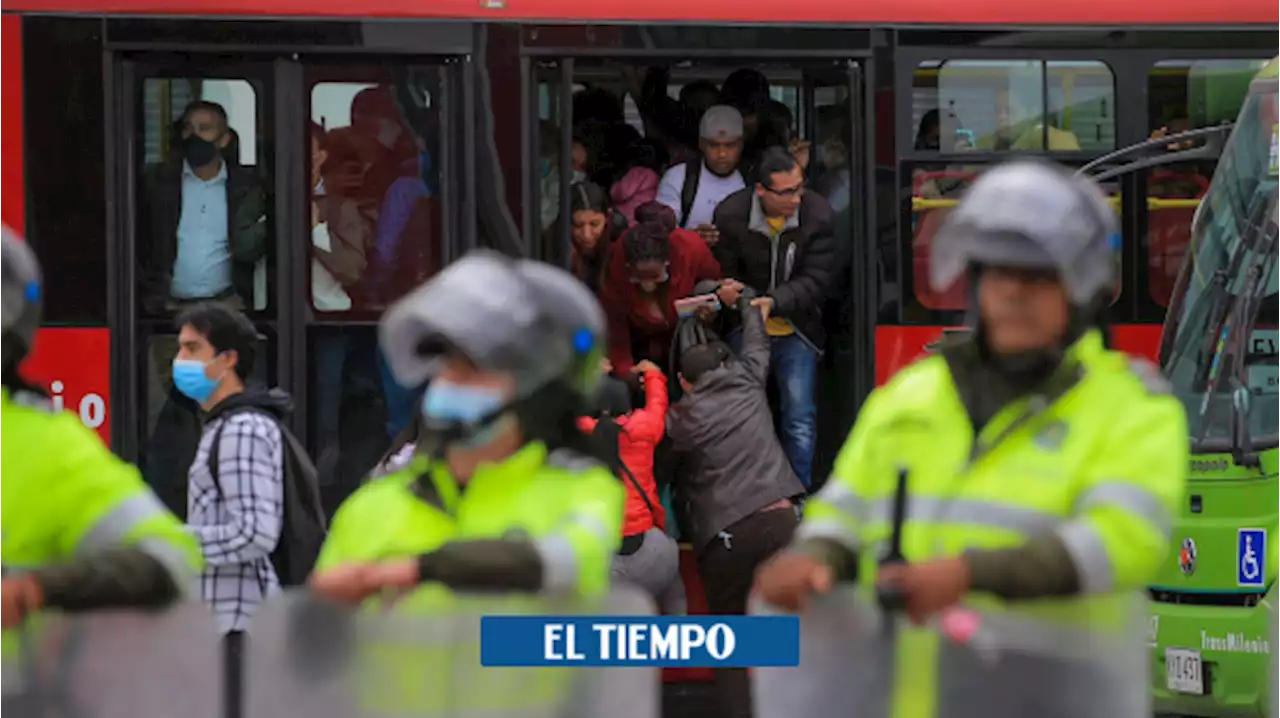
{"x": 689, "y": 191}
{"x": 303, "y": 529}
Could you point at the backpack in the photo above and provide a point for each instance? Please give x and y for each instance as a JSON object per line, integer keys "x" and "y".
{"x": 607, "y": 432}
{"x": 303, "y": 528}
{"x": 689, "y": 191}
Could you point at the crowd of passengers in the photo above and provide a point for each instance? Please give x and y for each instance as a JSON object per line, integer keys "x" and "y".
{"x": 718, "y": 198}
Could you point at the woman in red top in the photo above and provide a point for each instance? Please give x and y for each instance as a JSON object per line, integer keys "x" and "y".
{"x": 648, "y": 557}
{"x": 652, "y": 266}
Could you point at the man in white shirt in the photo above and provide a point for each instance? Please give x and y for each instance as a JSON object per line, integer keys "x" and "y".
{"x": 693, "y": 189}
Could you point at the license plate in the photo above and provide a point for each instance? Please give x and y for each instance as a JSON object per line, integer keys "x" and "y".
{"x": 1184, "y": 671}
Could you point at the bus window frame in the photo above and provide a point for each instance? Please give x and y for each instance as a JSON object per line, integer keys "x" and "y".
{"x": 907, "y": 62}
{"x": 1130, "y": 69}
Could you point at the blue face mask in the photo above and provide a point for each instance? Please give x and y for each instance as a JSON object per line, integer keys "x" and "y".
{"x": 448, "y": 403}
{"x": 190, "y": 379}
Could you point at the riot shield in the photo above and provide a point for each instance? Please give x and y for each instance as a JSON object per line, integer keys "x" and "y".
{"x": 119, "y": 664}
{"x": 968, "y": 664}
{"x": 419, "y": 657}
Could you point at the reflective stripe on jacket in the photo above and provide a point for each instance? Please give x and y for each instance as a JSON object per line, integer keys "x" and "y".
{"x": 65, "y": 494}
{"x": 571, "y": 509}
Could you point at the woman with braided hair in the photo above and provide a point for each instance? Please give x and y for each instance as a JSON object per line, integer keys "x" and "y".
{"x": 655, "y": 266}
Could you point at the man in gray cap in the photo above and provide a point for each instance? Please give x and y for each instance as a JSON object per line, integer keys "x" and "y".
{"x": 693, "y": 189}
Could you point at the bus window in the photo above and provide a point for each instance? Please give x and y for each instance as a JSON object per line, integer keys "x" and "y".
{"x": 1183, "y": 95}
{"x": 374, "y": 153}
{"x": 934, "y": 191}
{"x": 1001, "y": 105}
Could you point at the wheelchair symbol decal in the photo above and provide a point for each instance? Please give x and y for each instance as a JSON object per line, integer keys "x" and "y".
{"x": 1251, "y": 557}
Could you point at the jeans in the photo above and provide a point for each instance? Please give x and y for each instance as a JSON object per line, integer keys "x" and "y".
{"x": 330, "y": 359}
{"x": 793, "y": 362}
{"x": 401, "y": 401}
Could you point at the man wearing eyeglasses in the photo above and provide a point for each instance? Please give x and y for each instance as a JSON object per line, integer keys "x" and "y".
{"x": 777, "y": 239}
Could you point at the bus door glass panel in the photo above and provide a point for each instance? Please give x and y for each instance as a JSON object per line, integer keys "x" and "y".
{"x": 204, "y": 222}
{"x": 376, "y": 203}
{"x": 547, "y": 148}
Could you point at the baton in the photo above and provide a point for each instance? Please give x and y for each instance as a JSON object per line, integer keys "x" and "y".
{"x": 890, "y": 598}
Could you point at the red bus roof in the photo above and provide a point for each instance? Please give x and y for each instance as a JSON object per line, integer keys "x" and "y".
{"x": 861, "y": 12}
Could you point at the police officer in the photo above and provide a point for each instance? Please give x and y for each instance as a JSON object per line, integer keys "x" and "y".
{"x": 81, "y": 529}
{"x": 504, "y": 492}
{"x": 1043, "y": 469}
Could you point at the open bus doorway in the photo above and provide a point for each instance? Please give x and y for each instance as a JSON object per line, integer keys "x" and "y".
{"x": 596, "y": 119}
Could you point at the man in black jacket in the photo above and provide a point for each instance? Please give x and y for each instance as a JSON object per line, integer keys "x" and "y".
{"x": 777, "y": 239}
{"x": 207, "y": 219}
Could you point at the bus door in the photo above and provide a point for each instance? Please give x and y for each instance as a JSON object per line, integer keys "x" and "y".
{"x": 337, "y": 183}
{"x": 186, "y": 127}
{"x": 815, "y": 105}
{"x": 597, "y": 113}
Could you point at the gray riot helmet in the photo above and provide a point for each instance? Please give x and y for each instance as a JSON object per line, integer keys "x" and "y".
{"x": 528, "y": 319}
{"x": 21, "y": 295}
{"x": 1032, "y": 215}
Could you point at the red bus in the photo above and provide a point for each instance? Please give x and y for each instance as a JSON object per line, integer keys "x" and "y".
{"x": 904, "y": 103}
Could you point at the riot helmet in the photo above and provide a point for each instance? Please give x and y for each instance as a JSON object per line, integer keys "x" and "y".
{"x": 531, "y": 321}
{"x": 1031, "y": 214}
{"x": 22, "y": 297}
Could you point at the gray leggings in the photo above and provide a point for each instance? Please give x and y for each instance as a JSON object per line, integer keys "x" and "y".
{"x": 655, "y": 568}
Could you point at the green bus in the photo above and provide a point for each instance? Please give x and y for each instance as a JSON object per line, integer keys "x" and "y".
{"x": 1212, "y": 625}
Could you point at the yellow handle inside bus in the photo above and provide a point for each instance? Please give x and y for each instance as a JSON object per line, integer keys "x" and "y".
{"x": 922, "y": 204}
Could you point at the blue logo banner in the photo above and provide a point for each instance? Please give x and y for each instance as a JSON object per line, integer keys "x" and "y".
{"x": 1251, "y": 557}
{"x": 693, "y": 641}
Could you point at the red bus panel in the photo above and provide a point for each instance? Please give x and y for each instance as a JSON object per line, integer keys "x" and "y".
{"x": 897, "y": 347}
{"x": 924, "y": 12}
{"x": 73, "y": 364}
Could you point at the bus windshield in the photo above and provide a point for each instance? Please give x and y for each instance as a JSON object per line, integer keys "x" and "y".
{"x": 1219, "y": 347}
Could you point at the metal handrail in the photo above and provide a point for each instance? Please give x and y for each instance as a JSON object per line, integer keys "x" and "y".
{"x": 925, "y": 204}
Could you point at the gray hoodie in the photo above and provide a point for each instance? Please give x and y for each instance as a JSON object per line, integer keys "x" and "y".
{"x": 731, "y": 464}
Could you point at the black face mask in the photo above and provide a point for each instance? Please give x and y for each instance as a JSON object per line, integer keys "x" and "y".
{"x": 197, "y": 151}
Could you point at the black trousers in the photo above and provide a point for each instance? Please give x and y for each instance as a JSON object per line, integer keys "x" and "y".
{"x": 233, "y": 671}
{"x": 728, "y": 567}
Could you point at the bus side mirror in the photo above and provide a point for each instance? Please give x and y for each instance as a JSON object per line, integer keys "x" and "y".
{"x": 1242, "y": 443}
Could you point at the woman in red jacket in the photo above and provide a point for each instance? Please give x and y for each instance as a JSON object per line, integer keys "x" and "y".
{"x": 648, "y": 558}
{"x": 652, "y": 267}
